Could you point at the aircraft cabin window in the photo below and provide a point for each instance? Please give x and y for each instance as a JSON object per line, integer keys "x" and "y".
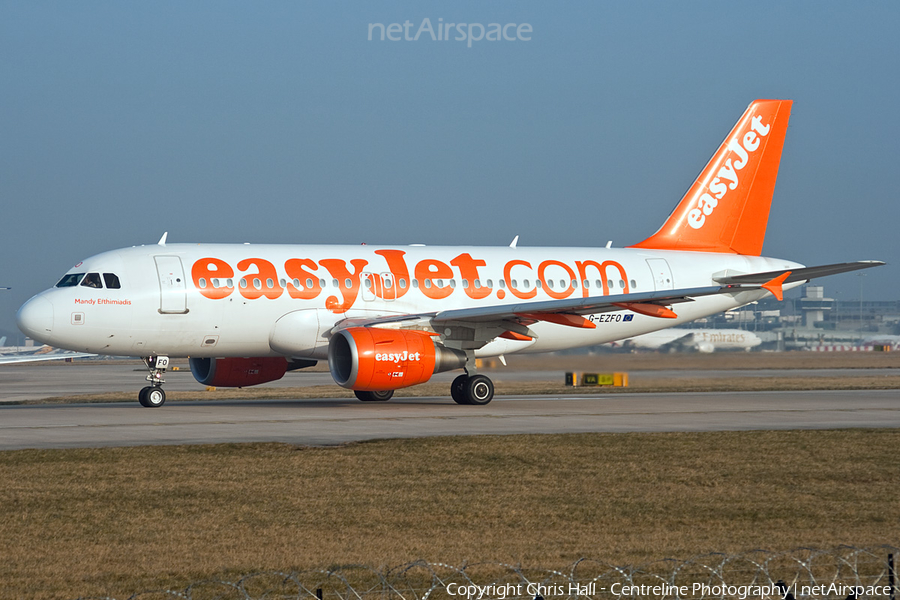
{"x": 550, "y": 283}
{"x": 633, "y": 284}
{"x": 402, "y": 283}
{"x": 92, "y": 280}
{"x": 453, "y": 283}
{"x": 348, "y": 284}
{"x": 201, "y": 283}
{"x": 575, "y": 284}
{"x": 538, "y": 284}
{"x": 321, "y": 283}
{"x": 490, "y": 283}
{"x": 609, "y": 284}
{"x": 598, "y": 284}
{"x": 621, "y": 284}
{"x": 428, "y": 283}
{"x": 230, "y": 283}
{"x": 514, "y": 284}
{"x": 367, "y": 282}
{"x": 112, "y": 281}
{"x": 335, "y": 283}
{"x": 70, "y": 280}
{"x": 465, "y": 283}
{"x": 309, "y": 283}
{"x": 502, "y": 283}
{"x": 586, "y": 284}
{"x": 415, "y": 283}
{"x": 256, "y": 283}
{"x": 243, "y": 282}
{"x": 526, "y": 284}
{"x": 477, "y": 284}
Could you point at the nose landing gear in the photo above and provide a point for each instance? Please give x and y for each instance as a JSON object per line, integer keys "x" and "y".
{"x": 153, "y": 395}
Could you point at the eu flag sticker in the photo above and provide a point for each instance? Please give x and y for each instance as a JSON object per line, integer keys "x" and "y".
{"x": 628, "y": 317}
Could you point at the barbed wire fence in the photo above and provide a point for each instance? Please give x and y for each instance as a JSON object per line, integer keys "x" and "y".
{"x": 846, "y": 572}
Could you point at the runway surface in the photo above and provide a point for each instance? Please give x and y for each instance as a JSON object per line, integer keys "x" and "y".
{"x": 334, "y": 421}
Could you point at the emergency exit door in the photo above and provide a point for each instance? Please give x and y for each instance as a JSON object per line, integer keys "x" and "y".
{"x": 662, "y": 274}
{"x": 172, "y": 287}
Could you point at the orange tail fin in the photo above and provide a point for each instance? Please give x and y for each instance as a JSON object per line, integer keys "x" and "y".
{"x": 727, "y": 208}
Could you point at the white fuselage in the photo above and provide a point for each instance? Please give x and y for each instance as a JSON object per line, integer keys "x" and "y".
{"x": 228, "y": 300}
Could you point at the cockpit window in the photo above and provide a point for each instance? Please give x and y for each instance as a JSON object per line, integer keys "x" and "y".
{"x": 92, "y": 280}
{"x": 70, "y": 280}
{"x": 112, "y": 281}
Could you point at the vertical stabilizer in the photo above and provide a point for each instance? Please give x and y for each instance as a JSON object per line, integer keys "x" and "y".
{"x": 727, "y": 207}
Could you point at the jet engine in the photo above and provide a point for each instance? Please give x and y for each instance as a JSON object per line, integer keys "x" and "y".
{"x": 373, "y": 359}
{"x": 238, "y": 372}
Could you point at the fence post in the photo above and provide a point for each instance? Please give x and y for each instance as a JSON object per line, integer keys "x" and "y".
{"x": 891, "y": 574}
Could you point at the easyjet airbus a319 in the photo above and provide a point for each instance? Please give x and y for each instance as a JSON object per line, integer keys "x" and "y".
{"x": 390, "y": 317}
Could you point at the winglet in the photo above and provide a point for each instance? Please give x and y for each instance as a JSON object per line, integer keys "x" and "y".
{"x": 162, "y": 240}
{"x": 514, "y": 242}
{"x": 774, "y": 285}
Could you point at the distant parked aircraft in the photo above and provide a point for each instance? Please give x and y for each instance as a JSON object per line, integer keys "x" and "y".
{"x": 697, "y": 340}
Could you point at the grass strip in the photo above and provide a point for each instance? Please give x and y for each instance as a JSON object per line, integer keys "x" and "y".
{"x": 119, "y": 520}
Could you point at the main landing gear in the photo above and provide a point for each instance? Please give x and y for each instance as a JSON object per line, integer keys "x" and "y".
{"x": 382, "y": 396}
{"x": 153, "y": 395}
{"x": 472, "y": 389}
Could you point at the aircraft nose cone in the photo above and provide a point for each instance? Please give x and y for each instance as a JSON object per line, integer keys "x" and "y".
{"x": 35, "y": 319}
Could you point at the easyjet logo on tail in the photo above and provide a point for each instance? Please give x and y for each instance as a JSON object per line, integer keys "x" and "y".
{"x": 727, "y": 178}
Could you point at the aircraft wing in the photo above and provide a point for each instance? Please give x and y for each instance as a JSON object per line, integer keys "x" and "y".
{"x": 567, "y": 311}
{"x": 23, "y": 358}
{"x": 578, "y": 306}
{"x": 803, "y": 274}
{"x": 517, "y": 316}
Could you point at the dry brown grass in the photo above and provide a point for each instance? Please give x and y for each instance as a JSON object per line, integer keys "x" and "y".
{"x": 432, "y": 389}
{"x": 115, "y": 521}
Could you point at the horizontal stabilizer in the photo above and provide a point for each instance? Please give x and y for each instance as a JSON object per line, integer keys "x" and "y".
{"x": 797, "y": 274}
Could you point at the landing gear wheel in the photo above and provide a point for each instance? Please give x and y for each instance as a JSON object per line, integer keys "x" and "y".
{"x": 152, "y": 397}
{"x": 382, "y": 396}
{"x": 142, "y": 396}
{"x": 458, "y": 390}
{"x": 479, "y": 390}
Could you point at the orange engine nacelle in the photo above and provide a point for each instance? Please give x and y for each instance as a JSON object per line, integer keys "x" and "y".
{"x": 238, "y": 372}
{"x": 372, "y": 359}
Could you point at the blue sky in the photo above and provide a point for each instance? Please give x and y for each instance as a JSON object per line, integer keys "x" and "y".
{"x": 281, "y": 122}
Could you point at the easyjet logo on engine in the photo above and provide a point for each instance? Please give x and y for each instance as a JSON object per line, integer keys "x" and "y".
{"x": 397, "y": 358}
{"x": 306, "y": 279}
{"x": 727, "y": 177}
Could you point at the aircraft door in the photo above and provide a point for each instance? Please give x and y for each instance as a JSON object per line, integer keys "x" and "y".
{"x": 662, "y": 274}
{"x": 378, "y": 285}
{"x": 172, "y": 287}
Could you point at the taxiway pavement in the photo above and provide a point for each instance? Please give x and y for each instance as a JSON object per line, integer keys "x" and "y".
{"x": 335, "y": 421}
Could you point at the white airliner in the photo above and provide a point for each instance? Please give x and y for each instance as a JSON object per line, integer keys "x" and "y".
{"x": 390, "y": 317}
{"x": 698, "y": 340}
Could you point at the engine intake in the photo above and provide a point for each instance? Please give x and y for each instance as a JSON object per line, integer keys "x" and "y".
{"x": 372, "y": 359}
